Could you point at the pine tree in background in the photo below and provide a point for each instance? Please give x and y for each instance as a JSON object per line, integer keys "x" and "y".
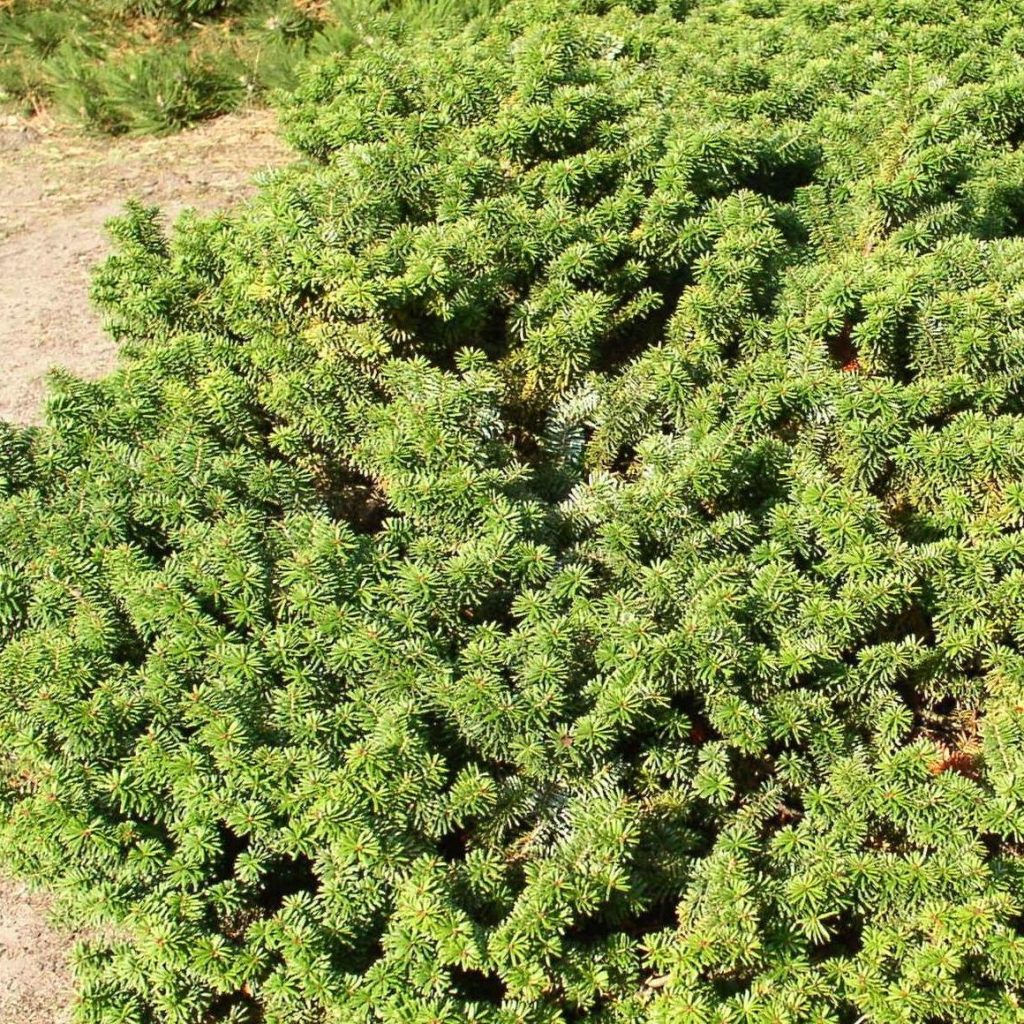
{"x": 558, "y": 556}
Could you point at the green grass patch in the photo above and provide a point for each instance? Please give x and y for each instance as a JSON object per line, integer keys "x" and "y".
{"x": 155, "y": 66}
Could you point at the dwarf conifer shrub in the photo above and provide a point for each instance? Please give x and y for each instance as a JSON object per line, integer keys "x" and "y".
{"x": 556, "y": 555}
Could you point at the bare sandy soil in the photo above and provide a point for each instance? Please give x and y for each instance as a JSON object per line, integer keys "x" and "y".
{"x": 56, "y": 191}
{"x": 35, "y": 982}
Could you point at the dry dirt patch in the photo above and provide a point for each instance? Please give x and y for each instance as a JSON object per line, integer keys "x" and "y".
{"x": 57, "y": 188}
{"x": 35, "y": 982}
{"x": 56, "y": 191}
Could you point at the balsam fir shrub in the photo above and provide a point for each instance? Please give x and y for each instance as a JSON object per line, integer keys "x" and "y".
{"x": 557, "y": 555}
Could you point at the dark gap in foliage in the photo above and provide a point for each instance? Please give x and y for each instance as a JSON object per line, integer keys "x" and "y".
{"x": 626, "y": 343}
{"x": 130, "y": 649}
{"x": 900, "y": 364}
{"x": 291, "y": 876}
{"x": 576, "y": 1013}
{"x": 350, "y": 496}
{"x": 846, "y": 930}
{"x": 493, "y": 607}
{"x": 887, "y": 836}
{"x": 750, "y": 771}
{"x": 417, "y": 332}
{"x": 143, "y": 829}
{"x": 358, "y": 958}
{"x": 308, "y": 298}
{"x": 596, "y": 928}
{"x": 525, "y": 443}
{"x": 533, "y": 152}
{"x": 912, "y": 621}
{"x": 881, "y": 484}
{"x": 212, "y": 608}
{"x": 660, "y": 916}
{"x": 149, "y": 539}
{"x": 478, "y": 986}
{"x": 903, "y": 517}
{"x": 851, "y": 1015}
{"x": 423, "y": 333}
{"x": 795, "y": 231}
{"x": 629, "y": 746}
{"x": 364, "y": 504}
{"x": 951, "y": 723}
{"x": 996, "y": 845}
{"x": 491, "y": 336}
{"x": 453, "y": 846}
{"x": 781, "y": 181}
{"x": 690, "y": 704}
{"x": 788, "y": 812}
{"x": 232, "y": 846}
{"x": 938, "y": 421}
{"x": 787, "y": 430}
{"x": 730, "y": 984}
{"x": 229, "y": 1005}
{"x": 623, "y": 461}
{"x": 236, "y": 923}
{"x": 841, "y": 347}
{"x": 442, "y": 734}
{"x": 761, "y": 467}
{"x": 660, "y": 883}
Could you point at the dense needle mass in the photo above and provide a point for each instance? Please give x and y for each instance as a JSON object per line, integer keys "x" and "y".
{"x": 557, "y": 555}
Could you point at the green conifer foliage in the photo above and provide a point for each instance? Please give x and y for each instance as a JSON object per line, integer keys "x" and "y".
{"x": 557, "y": 556}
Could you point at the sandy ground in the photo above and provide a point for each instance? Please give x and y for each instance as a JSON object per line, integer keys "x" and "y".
{"x": 56, "y": 191}
{"x": 35, "y": 982}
